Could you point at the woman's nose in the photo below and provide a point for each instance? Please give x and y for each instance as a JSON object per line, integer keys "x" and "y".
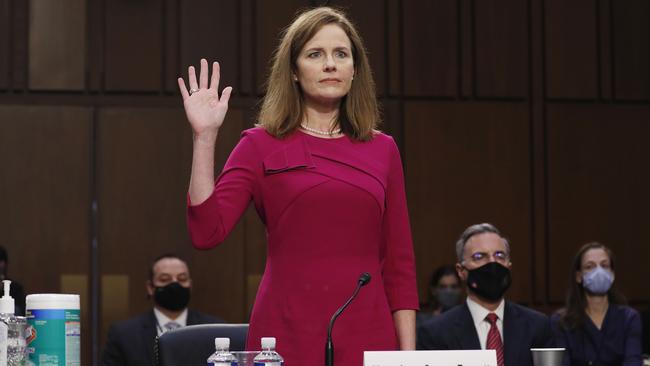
{"x": 329, "y": 63}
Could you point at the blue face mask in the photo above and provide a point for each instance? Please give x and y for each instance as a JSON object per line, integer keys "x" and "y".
{"x": 598, "y": 280}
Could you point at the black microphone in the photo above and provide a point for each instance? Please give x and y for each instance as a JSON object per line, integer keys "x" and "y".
{"x": 329, "y": 346}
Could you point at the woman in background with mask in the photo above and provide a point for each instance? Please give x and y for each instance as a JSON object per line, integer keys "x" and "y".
{"x": 444, "y": 293}
{"x": 596, "y": 328}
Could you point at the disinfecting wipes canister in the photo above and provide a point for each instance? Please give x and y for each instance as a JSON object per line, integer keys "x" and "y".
{"x": 55, "y": 338}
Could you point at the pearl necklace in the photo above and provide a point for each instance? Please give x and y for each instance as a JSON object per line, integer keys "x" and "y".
{"x": 324, "y": 133}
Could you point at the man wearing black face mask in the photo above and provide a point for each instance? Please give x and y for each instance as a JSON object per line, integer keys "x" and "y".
{"x": 131, "y": 342}
{"x": 486, "y": 320}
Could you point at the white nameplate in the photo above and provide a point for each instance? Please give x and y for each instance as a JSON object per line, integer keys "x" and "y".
{"x": 430, "y": 358}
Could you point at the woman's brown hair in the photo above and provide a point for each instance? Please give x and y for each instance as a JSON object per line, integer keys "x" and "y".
{"x": 282, "y": 109}
{"x": 574, "y": 315}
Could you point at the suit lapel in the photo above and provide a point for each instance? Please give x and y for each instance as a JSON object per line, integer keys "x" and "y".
{"x": 512, "y": 334}
{"x": 149, "y": 333}
{"x": 192, "y": 318}
{"x": 465, "y": 330}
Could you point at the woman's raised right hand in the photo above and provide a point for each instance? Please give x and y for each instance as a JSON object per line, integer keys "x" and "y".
{"x": 204, "y": 108}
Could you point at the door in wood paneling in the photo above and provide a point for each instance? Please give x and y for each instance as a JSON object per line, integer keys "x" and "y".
{"x": 468, "y": 163}
{"x": 598, "y": 190}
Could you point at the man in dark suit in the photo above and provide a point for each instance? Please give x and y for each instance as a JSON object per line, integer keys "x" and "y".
{"x": 131, "y": 342}
{"x": 486, "y": 320}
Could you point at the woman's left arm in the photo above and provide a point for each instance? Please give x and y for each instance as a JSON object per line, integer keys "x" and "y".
{"x": 399, "y": 261}
{"x": 405, "y": 329}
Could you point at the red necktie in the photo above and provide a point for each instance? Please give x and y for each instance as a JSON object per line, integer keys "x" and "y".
{"x": 494, "y": 338}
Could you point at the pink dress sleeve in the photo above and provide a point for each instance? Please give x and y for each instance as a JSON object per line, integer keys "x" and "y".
{"x": 211, "y": 221}
{"x": 399, "y": 264}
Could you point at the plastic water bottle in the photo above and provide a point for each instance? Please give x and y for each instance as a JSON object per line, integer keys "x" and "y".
{"x": 222, "y": 356}
{"x": 268, "y": 356}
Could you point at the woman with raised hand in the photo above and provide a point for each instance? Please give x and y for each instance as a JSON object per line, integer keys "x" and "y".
{"x": 328, "y": 186}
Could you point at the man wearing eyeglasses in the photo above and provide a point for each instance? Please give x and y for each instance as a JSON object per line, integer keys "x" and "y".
{"x": 486, "y": 320}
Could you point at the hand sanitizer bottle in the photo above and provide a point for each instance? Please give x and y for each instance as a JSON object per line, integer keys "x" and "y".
{"x": 13, "y": 328}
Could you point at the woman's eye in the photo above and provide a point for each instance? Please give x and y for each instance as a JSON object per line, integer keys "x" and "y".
{"x": 313, "y": 54}
{"x": 341, "y": 54}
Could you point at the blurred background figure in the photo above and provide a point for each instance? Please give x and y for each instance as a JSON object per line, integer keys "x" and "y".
{"x": 130, "y": 342}
{"x": 596, "y": 327}
{"x": 17, "y": 291}
{"x": 444, "y": 293}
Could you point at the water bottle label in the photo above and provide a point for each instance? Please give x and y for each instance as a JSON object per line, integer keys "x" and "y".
{"x": 234, "y": 363}
{"x": 4, "y": 340}
{"x": 268, "y": 364}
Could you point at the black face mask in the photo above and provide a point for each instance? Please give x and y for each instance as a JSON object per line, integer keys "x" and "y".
{"x": 172, "y": 297}
{"x": 490, "y": 281}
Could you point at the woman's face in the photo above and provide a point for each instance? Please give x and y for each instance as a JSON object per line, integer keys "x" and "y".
{"x": 325, "y": 66}
{"x": 591, "y": 259}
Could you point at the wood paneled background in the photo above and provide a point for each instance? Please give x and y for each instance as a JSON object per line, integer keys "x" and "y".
{"x": 530, "y": 114}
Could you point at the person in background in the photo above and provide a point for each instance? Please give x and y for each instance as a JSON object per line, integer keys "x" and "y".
{"x": 595, "y": 327}
{"x": 131, "y": 342}
{"x": 444, "y": 293}
{"x": 486, "y": 320}
{"x": 16, "y": 291}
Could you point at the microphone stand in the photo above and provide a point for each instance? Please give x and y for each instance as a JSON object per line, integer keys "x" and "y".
{"x": 329, "y": 345}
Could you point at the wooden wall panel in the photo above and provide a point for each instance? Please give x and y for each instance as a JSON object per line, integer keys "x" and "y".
{"x": 468, "y": 163}
{"x": 144, "y": 160}
{"x": 209, "y": 30}
{"x": 632, "y": 54}
{"x": 598, "y": 189}
{"x": 19, "y": 55}
{"x": 5, "y": 39}
{"x": 134, "y": 49}
{"x": 171, "y": 60}
{"x": 272, "y": 18}
{"x": 45, "y": 195}
{"x": 57, "y": 44}
{"x": 430, "y": 48}
{"x": 501, "y": 48}
{"x": 571, "y": 49}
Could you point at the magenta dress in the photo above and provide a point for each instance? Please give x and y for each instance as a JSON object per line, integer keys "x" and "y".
{"x": 333, "y": 209}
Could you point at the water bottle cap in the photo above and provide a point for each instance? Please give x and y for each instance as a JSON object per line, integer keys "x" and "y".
{"x": 222, "y": 343}
{"x": 268, "y": 342}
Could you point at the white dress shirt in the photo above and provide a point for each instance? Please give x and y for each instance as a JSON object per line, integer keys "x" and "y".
{"x": 162, "y": 320}
{"x": 481, "y": 324}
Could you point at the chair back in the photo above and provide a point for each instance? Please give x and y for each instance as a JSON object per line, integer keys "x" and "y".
{"x": 192, "y": 345}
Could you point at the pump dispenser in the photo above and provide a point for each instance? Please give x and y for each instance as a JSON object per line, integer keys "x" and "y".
{"x": 7, "y": 303}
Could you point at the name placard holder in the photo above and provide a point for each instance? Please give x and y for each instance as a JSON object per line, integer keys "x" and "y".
{"x": 430, "y": 358}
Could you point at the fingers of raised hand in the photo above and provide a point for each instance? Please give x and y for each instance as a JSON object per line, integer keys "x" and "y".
{"x": 191, "y": 73}
{"x": 216, "y": 75}
{"x": 225, "y": 95}
{"x": 181, "y": 85}
{"x": 203, "y": 76}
